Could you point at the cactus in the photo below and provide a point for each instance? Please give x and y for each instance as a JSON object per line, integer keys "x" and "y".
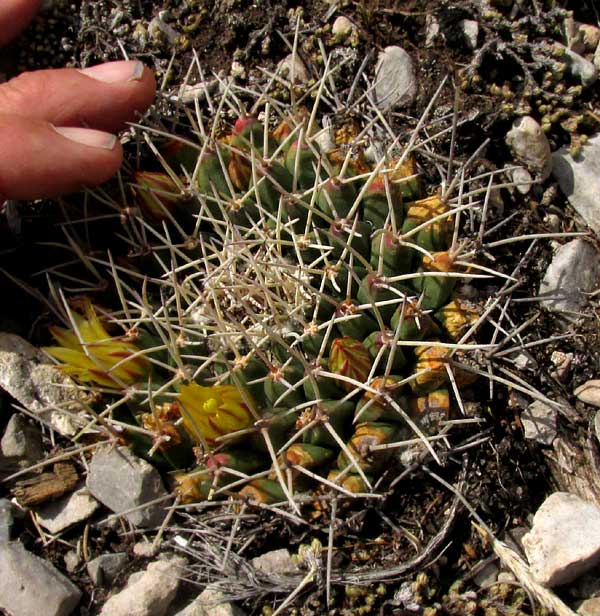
{"x": 296, "y": 311}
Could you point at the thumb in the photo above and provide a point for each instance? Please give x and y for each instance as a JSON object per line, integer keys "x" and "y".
{"x": 39, "y": 160}
{"x": 14, "y": 16}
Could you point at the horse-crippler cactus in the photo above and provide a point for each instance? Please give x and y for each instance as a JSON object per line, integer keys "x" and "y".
{"x": 304, "y": 322}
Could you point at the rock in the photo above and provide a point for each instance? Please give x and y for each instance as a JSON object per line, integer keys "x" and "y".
{"x": 22, "y": 442}
{"x": 579, "y": 67}
{"x": 40, "y": 387}
{"x": 432, "y": 29}
{"x": 574, "y": 271}
{"x": 530, "y": 146}
{"x": 276, "y": 562}
{"x": 395, "y": 79}
{"x": 150, "y": 593}
{"x": 145, "y": 549}
{"x": 596, "y": 59}
{"x": 342, "y": 27}
{"x": 539, "y": 422}
{"x": 293, "y": 69}
{"x": 470, "y": 32}
{"x": 564, "y": 541}
{"x": 121, "y": 481}
{"x": 30, "y": 586}
{"x": 506, "y": 577}
{"x": 522, "y": 178}
{"x": 211, "y": 603}
{"x": 72, "y": 560}
{"x": 159, "y": 29}
{"x": 487, "y": 576}
{"x": 6, "y": 519}
{"x": 104, "y": 568}
{"x": 590, "y": 607}
{"x": 579, "y": 180}
{"x": 66, "y": 511}
{"x": 589, "y": 392}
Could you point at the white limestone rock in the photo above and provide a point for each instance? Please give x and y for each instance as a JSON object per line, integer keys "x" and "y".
{"x": 539, "y": 422}
{"x": 76, "y": 507}
{"x": 121, "y": 481}
{"x": 395, "y": 79}
{"x": 579, "y": 180}
{"x": 31, "y": 586}
{"x": 148, "y": 593}
{"x": 573, "y": 272}
{"x": 564, "y": 541}
{"x": 530, "y": 146}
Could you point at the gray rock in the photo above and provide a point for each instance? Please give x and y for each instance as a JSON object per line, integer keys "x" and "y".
{"x": 564, "y": 541}
{"x": 211, "y": 603}
{"x": 530, "y": 146}
{"x": 30, "y": 586}
{"x": 470, "y": 32}
{"x": 395, "y": 79}
{"x": 6, "y": 519}
{"x": 589, "y": 392}
{"x": 579, "y": 180}
{"x": 539, "y": 422}
{"x": 121, "y": 481}
{"x": 579, "y": 67}
{"x": 22, "y": 441}
{"x": 487, "y": 576}
{"x": 574, "y": 271}
{"x": 68, "y": 510}
{"x": 149, "y": 593}
{"x": 104, "y": 568}
{"x": 275, "y": 562}
{"x": 293, "y": 69}
{"x": 342, "y": 27}
{"x": 522, "y": 178}
{"x": 40, "y": 387}
{"x": 590, "y": 607}
{"x": 72, "y": 560}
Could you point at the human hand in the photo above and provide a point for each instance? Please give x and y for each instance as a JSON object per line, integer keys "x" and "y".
{"x": 56, "y": 125}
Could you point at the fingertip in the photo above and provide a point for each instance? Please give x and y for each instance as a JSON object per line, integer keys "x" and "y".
{"x": 38, "y": 160}
{"x": 14, "y": 17}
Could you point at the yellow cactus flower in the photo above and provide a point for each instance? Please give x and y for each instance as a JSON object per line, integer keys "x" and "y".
{"x": 210, "y": 412}
{"x": 90, "y": 355}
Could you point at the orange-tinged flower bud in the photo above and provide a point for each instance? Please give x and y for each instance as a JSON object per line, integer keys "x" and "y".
{"x": 210, "y": 412}
{"x": 90, "y": 355}
{"x": 155, "y": 193}
{"x": 348, "y": 357}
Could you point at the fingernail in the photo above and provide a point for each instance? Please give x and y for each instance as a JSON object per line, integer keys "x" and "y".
{"x": 115, "y": 72}
{"x": 87, "y": 136}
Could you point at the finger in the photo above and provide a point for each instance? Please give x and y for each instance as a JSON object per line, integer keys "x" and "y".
{"x": 14, "y": 16}
{"x": 38, "y": 160}
{"x": 103, "y": 97}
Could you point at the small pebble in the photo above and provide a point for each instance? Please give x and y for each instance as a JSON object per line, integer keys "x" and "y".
{"x": 530, "y": 146}
{"x": 589, "y": 392}
{"x": 395, "y": 79}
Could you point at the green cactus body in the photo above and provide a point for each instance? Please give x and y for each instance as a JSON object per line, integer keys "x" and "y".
{"x": 435, "y": 290}
{"x": 294, "y": 319}
{"x": 376, "y": 205}
{"x": 338, "y": 414}
{"x": 365, "y": 436}
{"x": 375, "y": 342}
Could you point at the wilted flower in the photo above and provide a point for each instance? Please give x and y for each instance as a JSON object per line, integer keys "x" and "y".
{"x": 155, "y": 193}
{"x": 90, "y": 355}
{"x": 210, "y": 412}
